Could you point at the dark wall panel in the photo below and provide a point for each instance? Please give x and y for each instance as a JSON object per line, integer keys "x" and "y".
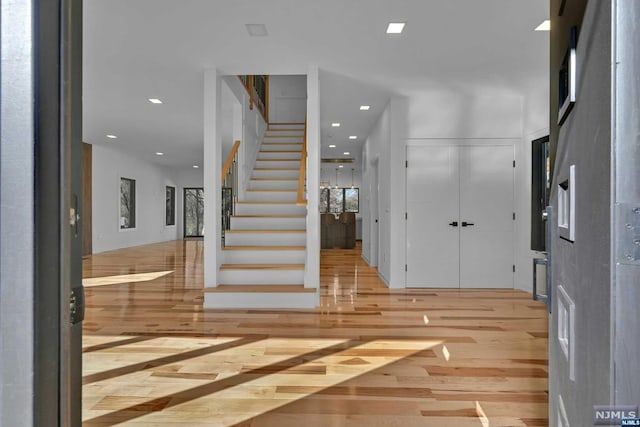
{"x": 583, "y": 267}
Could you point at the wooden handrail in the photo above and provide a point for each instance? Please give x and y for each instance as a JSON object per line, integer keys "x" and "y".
{"x": 227, "y": 164}
{"x": 302, "y": 175}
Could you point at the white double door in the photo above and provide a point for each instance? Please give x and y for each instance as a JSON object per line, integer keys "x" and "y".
{"x": 460, "y": 216}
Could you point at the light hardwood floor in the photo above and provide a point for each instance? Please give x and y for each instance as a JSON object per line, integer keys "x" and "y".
{"x": 368, "y": 356}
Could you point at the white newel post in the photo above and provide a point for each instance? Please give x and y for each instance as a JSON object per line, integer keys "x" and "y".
{"x": 212, "y": 168}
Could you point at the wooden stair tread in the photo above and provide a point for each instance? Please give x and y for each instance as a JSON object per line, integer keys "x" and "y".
{"x": 261, "y": 288}
{"x": 274, "y": 179}
{"x": 270, "y": 189}
{"x": 277, "y": 160}
{"x": 268, "y": 216}
{"x": 262, "y": 267}
{"x": 279, "y": 151}
{"x": 264, "y": 231}
{"x": 284, "y": 136}
{"x": 282, "y": 143}
{"x": 275, "y": 169}
{"x": 264, "y": 248}
{"x": 258, "y": 202}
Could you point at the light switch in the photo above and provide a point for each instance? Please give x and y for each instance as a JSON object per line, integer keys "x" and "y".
{"x": 567, "y": 206}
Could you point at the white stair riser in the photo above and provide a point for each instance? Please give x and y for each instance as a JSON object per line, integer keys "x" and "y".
{"x": 260, "y": 300}
{"x": 269, "y": 209}
{"x": 279, "y": 155}
{"x": 278, "y": 164}
{"x": 263, "y": 257}
{"x": 271, "y": 196}
{"x": 261, "y": 277}
{"x": 292, "y": 174}
{"x": 299, "y": 126}
{"x": 285, "y": 132}
{"x": 273, "y": 185}
{"x": 291, "y": 143}
{"x": 284, "y": 140}
{"x": 281, "y": 147}
{"x": 265, "y": 239}
{"x": 266, "y": 223}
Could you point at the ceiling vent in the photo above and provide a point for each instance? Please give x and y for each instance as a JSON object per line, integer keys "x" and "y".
{"x": 257, "y": 30}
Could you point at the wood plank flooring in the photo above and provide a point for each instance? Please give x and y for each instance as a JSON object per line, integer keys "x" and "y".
{"x": 368, "y": 356}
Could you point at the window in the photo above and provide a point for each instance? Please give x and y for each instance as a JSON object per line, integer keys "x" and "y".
{"x": 170, "y": 205}
{"x": 193, "y": 212}
{"x": 338, "y": 200}
{"x": 127, "y": 203}
{"x": 351, "y": 200}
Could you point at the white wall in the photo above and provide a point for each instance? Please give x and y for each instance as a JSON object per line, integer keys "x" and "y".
{"x": 228, "y": 108}
{"x": 456, "y": 113}
{"x": 109, "y": 165}
{"x": 287, "y": 99}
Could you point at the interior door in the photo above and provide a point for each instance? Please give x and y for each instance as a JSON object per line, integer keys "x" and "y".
{"x": 433, "y": 204}
{"x": 486, "y": 217}
{"x": 72, "y": 291}
{"x": 374, "y": 215}
{"x": 460, "y": 216}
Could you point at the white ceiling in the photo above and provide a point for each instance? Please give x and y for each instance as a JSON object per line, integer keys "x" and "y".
{"x": 140, "y": 49}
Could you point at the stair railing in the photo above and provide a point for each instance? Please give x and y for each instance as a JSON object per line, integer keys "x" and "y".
{"x": 301, "y": 199}
{"x": 229, "y": 188}
{"x": 258, "y": 89}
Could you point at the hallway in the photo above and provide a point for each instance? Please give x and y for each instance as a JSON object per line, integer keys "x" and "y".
{"x": 368, "y": 356}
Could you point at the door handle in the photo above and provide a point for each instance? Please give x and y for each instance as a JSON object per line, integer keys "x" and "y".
{"x": 467, "y": 224}
{"x": 76, "y": 304}
{"x": 454, "y": 223}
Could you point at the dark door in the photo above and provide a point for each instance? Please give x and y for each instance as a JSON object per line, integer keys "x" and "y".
{"x": 59, "y": 296}
{"x": 193, "y": 208}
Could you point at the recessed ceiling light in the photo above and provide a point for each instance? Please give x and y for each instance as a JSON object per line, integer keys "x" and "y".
{"x": 111, "y": 136}
{"x": 353, "y": 137}
{"x": 395, "y": 27}
{"x": 332, "y": 146}
{"x": 257, "y": 30}
{"x": 365, "y": 107}
{"x": 155, "y": 101}
{"x": 196, "y": 166}
{"x": 341, "y": 166}
{"x": 545, "y": 26}
{"x": 335, "y": 125}
{"x": 346, "y": 153}
{"x": 159, "y": 153}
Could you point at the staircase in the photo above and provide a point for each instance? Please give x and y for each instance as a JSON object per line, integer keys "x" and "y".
{"x": 264, "y": 254}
